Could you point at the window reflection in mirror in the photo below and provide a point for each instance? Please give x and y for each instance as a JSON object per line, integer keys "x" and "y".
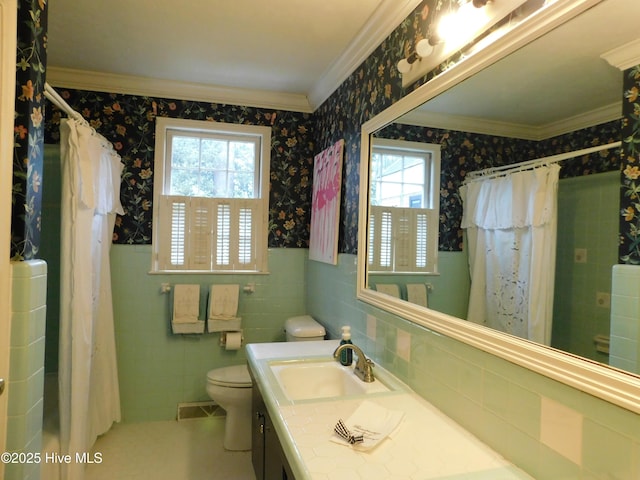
{"x": 404, "y": 196}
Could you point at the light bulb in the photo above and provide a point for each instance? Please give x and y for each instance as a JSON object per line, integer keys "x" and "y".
{"x": 404, "y": 66}
{"x": 424, "y": 48}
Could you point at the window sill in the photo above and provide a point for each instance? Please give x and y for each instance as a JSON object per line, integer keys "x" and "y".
{"x": 208, "y": 272}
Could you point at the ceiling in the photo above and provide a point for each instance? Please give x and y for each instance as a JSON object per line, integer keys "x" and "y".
{"x": 276, "y": 52}
{"x": 292, "y": 54}
{"x": 556, "y": 84}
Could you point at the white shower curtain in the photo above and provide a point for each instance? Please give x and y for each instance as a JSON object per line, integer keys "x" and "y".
{"x": 88, "y": 379}
{"x": 511, "y": 224}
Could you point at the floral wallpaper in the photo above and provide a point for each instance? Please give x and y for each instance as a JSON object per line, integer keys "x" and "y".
{"x": 128, "y": 121}
{"x": 26, "y": 198}
{"x": 629, "y": 198}
{"x": 463, "y": 152}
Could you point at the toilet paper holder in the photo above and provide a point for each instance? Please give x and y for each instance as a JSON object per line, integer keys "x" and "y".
{"x": 223, "y": 338}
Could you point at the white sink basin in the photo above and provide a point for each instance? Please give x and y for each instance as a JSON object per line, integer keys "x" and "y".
{"x": 305, "y": 380}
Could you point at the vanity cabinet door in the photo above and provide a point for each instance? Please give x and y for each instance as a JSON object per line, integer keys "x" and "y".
{"x": 269, "y": 461}
{"x": 257, "y": 433}
{"x": 276, "y": 466}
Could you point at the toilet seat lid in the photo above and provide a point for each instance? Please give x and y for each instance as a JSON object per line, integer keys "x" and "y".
{"x": 235, "y": 376}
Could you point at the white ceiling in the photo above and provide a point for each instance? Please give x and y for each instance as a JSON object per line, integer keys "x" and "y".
{"x": 556, "y": 84}
{"x": 292, "y": 54}
{"x": 293, "y": 50}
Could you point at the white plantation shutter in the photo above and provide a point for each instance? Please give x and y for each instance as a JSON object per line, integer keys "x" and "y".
{"x": 178, "y": 235}
{"x": 200, "y": 234}
{"x": 246, "y": 240}
{"x": 380, "y": 239}
{"x": 223, "y": 236}
{"x": 237, "y": 239}
{"x": 402, "y": 239}
{"x": 209, "y": 234}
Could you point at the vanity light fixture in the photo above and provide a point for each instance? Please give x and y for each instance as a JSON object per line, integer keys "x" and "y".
{"x": 423, "y": 49}
{"x": 459, "y": 27}
{"x": 450, "y": 27}
{"x": 454, "y": 29}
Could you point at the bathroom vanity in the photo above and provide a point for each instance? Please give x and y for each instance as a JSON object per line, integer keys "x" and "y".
{"x": 299, "y": 396}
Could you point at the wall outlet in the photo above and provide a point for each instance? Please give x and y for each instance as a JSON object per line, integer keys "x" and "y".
{"x": 580, "y": 255}
{"x": 603, "y": 299}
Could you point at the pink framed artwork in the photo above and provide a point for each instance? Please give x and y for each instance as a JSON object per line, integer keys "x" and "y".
{"x": 325, "y": 206}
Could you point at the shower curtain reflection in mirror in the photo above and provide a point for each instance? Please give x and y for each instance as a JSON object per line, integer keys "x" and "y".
{"x": 89, "y": 393}
{"x": 511, "y": 224}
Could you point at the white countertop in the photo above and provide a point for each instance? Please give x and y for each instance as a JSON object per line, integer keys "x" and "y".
{"x": 426, "y": 445}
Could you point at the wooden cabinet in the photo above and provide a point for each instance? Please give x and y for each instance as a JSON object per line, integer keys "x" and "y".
{"x": 267, "y": 456}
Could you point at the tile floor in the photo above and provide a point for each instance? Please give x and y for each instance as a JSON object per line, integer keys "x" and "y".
{"x": 188, "y": 449}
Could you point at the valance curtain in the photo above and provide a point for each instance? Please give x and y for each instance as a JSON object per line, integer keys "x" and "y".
{"x": 88, "y": 379}
{"x": 511, "y": 224}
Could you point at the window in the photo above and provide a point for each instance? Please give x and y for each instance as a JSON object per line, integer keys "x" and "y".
{"x": 211, "y": 199}
{"x": 404, "y": 206}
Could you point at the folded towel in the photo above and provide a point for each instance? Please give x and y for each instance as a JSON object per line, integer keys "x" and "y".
{"x": 188, "y": 328}
{"x": 226, "y": 324}
{"x": 417, "y": 293}
{"x": 223, "y": 301}
{"x": 186, "y": 303}
{"x": 373, "y": 422}
{"x": 388, "y": 288}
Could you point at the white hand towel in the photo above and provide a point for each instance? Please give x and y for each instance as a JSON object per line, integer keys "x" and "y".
{"x": 388, "y": 288}
{"x": 186, "y": 303}
{"x": 373, "y": 422}
{"x": 417, "y": 293}
{"x": 223, "y": 302}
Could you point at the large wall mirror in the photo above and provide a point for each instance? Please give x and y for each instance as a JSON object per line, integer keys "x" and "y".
{"x": 542, "y": 81}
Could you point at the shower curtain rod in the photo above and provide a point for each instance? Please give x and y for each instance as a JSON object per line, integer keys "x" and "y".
{"x": 55, "y": 98}
{"x": 518, "y": 167}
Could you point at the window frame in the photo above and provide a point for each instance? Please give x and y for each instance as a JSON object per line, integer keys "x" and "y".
{"x": 161, "y": 219}
{"x": 431, "y": 208}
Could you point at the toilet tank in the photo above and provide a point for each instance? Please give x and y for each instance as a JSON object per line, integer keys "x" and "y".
{"x": 303, "y": 328}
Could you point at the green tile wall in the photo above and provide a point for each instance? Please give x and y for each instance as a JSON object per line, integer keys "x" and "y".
{"x": 157, "y": 369}
{"x": 449, "y": 291}
{"x": 50, "y": 249}
{"x": 587, "y": 219}
{"x": 625, "y": 318}
{"x": 26, "y": 376}
{"x": 498, "y": 401}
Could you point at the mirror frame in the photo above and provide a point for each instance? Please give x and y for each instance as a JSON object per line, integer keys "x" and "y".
{"x": 610, "y": 384}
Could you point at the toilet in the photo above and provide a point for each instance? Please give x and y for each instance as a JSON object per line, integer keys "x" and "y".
{"x": 230, "y": 387}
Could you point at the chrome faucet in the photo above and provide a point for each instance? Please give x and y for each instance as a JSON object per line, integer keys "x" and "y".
{"x": 364, "y": 366}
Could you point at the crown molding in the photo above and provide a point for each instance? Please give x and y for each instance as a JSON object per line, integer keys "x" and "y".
{"x": 378, "y": 27}
{"x": 384, "y": 20}
{"x": 597, "y": 116}
{"x": 625, "y": 56}
{"x": 512, "y": 130}
{"x": 133, "y": 85}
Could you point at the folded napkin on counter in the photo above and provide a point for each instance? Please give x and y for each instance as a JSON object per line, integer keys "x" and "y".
{"x": 373, "y": 422}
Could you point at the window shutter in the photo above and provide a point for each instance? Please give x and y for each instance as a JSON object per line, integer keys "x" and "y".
{"x": 246, "y": 254}
{"x": 172, "y": 252}
{"x": 207, "y": 233}
{"x": 236, "y": 237}
{"x": 402, "y": 239}
{"x": 223, "y": 236}
{"x": 421, "y": 229}
{"x": 200, "y": 234}
{"x": 380, "y": 238}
